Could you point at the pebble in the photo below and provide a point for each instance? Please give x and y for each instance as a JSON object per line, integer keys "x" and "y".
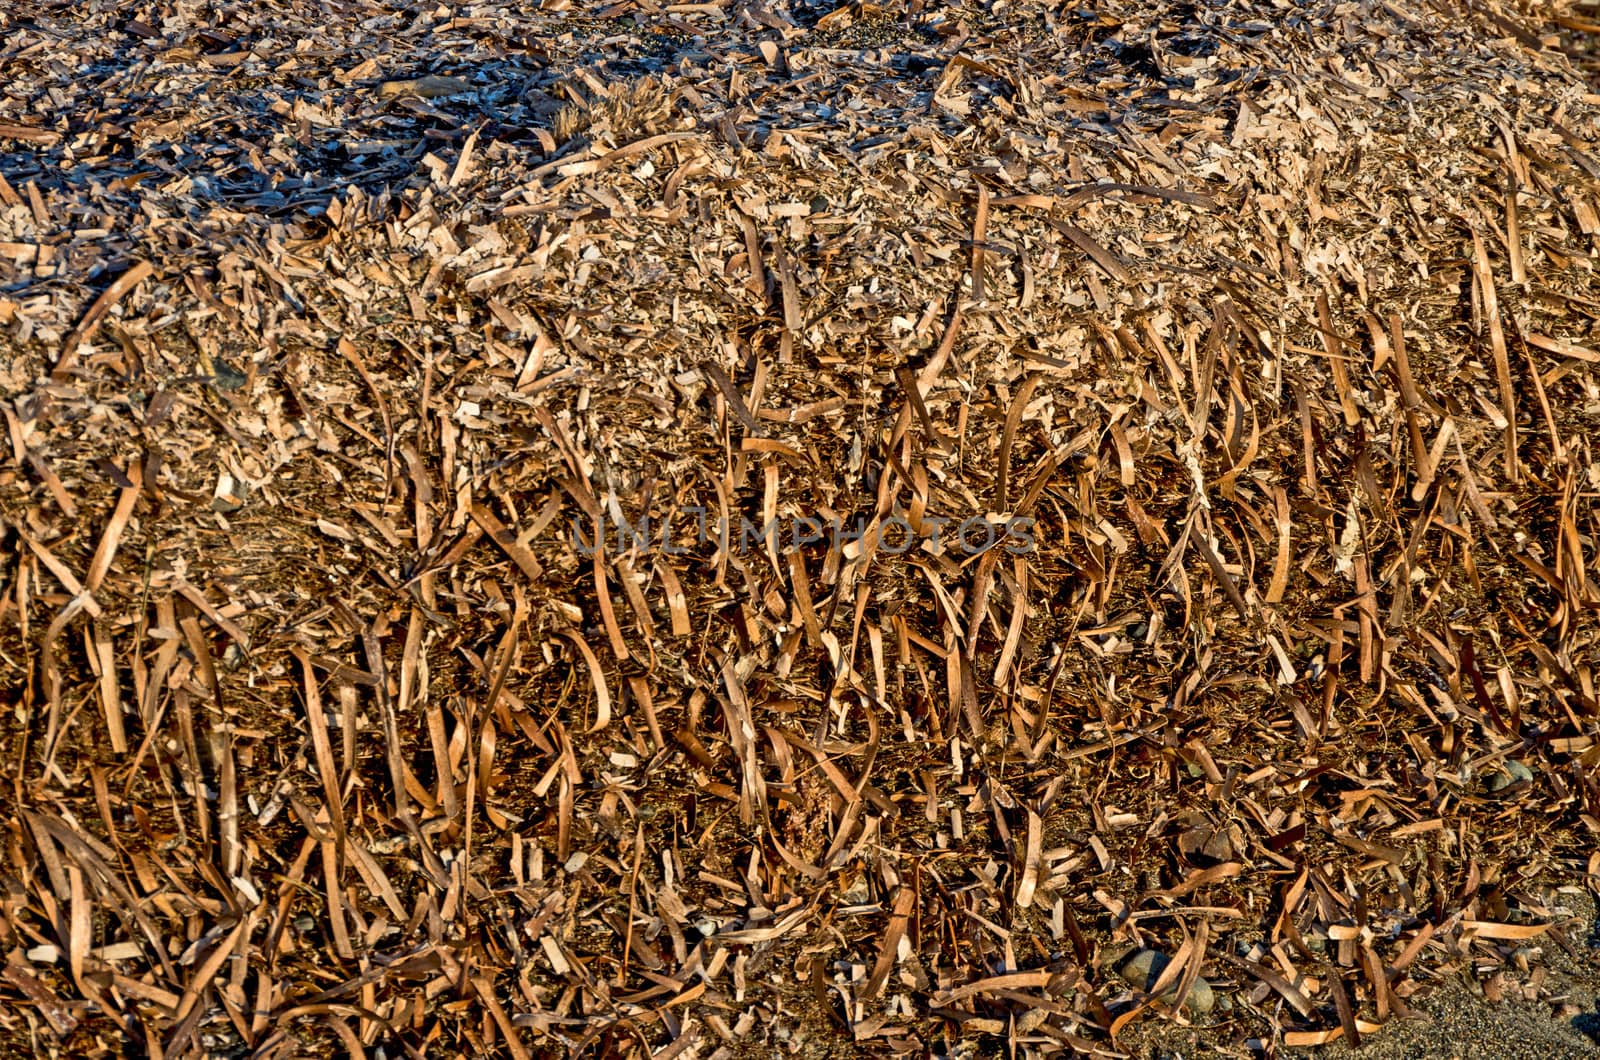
{"x": 1508, "y": 773}
{"x": 1142, "y": 968}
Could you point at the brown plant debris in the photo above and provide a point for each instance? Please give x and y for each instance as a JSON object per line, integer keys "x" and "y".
{"x": 328, "y": 354}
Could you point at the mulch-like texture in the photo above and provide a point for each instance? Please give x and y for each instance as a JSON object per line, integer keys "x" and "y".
{"x": 1175, "y": 428}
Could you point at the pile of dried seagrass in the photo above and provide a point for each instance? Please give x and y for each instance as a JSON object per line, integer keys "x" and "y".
{"x": 1095, "y": 508}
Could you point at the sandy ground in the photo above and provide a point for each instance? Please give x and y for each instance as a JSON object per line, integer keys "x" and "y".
{"x": 1550, "y": 1018}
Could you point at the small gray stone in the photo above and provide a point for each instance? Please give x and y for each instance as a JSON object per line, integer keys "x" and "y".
{"x": 1507, "y": 774}
{"x": 1142, "y": 968}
